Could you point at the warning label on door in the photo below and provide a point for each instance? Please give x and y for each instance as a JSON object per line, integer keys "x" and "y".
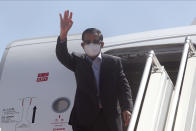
{"x": 59, "y": 124}
{"x": 42, "y": 77}
{"x": 9, "y": 115}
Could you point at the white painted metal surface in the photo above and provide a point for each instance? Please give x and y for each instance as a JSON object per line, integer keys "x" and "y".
{"x": 153, "y": 99}
{"x": 156, "y": 102}
{"x": 140, "y": 95}
{"x": 186, "y": 114}
{"x": 24, "y": 65}
{"x": 188, "y": 49}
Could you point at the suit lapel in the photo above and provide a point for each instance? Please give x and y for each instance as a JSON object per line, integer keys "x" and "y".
{"x": 103, "y": 70}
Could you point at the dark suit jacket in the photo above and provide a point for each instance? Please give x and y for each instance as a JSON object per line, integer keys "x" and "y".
{"x": 115, "y": 92}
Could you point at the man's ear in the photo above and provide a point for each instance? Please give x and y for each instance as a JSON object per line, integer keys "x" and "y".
{"x": 82, "y": 44}
{"x": 102, "y": 44}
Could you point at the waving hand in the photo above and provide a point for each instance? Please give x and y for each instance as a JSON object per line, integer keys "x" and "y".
{"x": 65, "y": 24}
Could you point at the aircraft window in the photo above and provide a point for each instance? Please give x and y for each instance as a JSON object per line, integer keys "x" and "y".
{"x": 60, "y": 105}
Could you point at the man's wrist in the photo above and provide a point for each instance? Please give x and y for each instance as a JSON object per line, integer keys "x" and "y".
{"x": 63, "y": 36}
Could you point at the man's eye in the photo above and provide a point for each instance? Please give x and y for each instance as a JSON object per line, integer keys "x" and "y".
{"x": 87, "y": 41}
{"x": 96, "y": 41}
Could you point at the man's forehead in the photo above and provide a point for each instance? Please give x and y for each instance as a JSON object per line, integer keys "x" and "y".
{"x": 90, "y": 35}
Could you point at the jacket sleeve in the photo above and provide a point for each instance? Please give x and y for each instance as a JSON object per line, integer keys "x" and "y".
{"x": 125, "y": 93}
{"x": 64, "y": 56}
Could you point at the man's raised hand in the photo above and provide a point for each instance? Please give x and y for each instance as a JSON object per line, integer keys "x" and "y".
{"x": 65, "y": 23}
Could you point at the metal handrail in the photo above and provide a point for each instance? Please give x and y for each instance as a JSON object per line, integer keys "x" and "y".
{"x": 188, "y": 48}
{"x": 176, "y": 95}
{"x": 151, "y": 60}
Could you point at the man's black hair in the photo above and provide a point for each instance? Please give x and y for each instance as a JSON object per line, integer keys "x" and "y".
{"x": 92, "y": 31}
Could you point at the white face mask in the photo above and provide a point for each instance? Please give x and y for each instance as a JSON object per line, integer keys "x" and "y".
{"x": 92, "y": 49}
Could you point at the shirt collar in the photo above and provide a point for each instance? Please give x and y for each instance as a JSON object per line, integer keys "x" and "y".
{"x": 99, "y": 57}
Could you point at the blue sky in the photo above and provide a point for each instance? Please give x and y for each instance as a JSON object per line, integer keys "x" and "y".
{"x": 29, "y": 19}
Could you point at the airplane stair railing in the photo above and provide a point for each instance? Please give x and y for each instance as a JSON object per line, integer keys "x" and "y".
{"x": 141, "y": 91}
{"x": 154, "y": 93}
{"x": 188, "y": 48}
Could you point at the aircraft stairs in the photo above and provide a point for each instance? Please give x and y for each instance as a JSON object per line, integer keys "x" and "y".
{"x": 162, "y": 106}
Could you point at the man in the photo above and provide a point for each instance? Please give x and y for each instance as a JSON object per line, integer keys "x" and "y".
{"x": 103, "y": 92}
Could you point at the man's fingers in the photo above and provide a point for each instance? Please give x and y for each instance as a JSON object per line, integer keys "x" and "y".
{"x": 126, "y": 117}
{"x": 61, "y": 18}
{"x": 70, "y": 17}
{"x": 66, "y": 14}
{"x": 66, "y": 21}
{"x": 70, "y": 24}
{"x": 127, "y": 123}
